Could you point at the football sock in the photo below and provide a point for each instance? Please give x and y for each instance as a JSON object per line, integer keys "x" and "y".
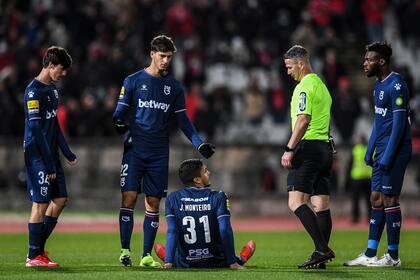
{"x": 35, "y": 235}
{"x": 150, "y": 227}
{"x": 308, "y": 219}
{"x": 377, "y": 223}
{"x": 126, "y": 226}
{"x": 325, "y": 223}
{"x": 393, "y": 227}
{"x": 49, "y": 225}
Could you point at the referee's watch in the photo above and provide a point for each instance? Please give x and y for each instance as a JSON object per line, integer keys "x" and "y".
{"x": 287, "y": 149}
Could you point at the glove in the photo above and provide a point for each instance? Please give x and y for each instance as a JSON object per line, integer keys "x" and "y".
{"x": 120, "y": 126}
{"x": 206, "y": 150}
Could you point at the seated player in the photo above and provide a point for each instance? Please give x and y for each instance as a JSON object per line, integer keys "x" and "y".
{"x": 199, "y": 232}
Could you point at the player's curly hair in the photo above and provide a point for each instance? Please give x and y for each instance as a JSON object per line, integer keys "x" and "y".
{"x": 295, "y": 52}
{"x": 57, "y": 55}
{"x": 189, "y": 170}
{"x": 162, "y": 43}
{"x": 382, "y": 48}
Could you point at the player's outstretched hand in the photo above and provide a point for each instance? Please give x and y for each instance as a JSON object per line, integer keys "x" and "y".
{"x": 120, "y": 126}
{"x": 206, "y": 149}
{"x": 167, "y": 266}
{"x": 236, "y": 266}
{"x": 73, "y": 162}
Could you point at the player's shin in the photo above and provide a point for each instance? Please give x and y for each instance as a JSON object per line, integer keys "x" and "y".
{"x": 393, "y": 227}
{"x": 35, "y": 237}
{"x": 49, "y": 225}
{"x": 150, "y": 227}
{"x": 126, "y": 221}
{"x": 377, "y": 223}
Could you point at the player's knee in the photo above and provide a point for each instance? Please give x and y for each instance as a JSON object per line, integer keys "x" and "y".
{"x": 62, "y": 202}
{"x": 129, "y": 200}
{"x": 376, "y": 199}
{"x": 390, "y": 201}
{"x": 152, "y": 203}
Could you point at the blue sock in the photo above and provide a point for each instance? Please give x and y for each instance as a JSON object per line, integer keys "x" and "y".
{"x": 393, "y": 227}
{"x": 49, "y": 225}
{"x": 377, "y": 223}
{"x": 126, "y": 226}
{"x": 35, "y": 237}
{"x": 150, "y": 227}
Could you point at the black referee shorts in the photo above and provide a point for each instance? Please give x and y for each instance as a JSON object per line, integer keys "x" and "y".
{"x": 311, "y": 168}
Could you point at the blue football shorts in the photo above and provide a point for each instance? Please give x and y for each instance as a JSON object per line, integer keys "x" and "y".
{"x": 390, "y": 182}
{"x": 38, "y": 187}
{"x": 144, "y": 173}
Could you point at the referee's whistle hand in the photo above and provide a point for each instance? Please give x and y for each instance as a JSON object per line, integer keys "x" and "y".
{"x": 286, "y": 160}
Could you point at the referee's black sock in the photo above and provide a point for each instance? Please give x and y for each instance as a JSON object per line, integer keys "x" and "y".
{"x": 325, "y": 223}
{"x": 309, "y": 220}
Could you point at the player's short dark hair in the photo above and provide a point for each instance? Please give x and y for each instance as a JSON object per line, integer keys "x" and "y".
{"x": 382, "y": 48}
{"x": 57, "y": 55}
{"x": 296, "y": 52}
{"x": 162, "y": 43}
{"x": 189, "y": 170}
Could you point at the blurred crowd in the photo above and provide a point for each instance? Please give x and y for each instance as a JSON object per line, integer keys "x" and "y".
{"x": 229, "y": 57}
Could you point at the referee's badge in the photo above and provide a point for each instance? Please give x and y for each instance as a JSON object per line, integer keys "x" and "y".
{"x": 302, "y": 102}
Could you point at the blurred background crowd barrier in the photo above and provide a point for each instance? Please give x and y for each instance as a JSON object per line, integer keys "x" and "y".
{"x": 230, "y": 61}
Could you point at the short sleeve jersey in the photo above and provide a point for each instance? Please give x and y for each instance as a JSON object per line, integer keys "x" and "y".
{"x": 390, "y": 96}
{"x": 151, "y": 101}
{"x": 196, "y": 211}
{"x": 40, "y": 103}
{"x": 311, "y": 97}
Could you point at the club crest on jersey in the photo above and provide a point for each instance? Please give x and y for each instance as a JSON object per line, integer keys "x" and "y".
{"x": 302, "y": 102}
{"x": 167, "y": 89}
{"x": 33, "y": 106}
{"x": 397, "y": 86}
{"x": 381, "y": 95}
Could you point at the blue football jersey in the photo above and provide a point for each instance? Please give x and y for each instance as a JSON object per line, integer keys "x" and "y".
{"x": 151, "y": 101}
{"x": 196, "y": 211}
{"x": 40, "y": 102}
{"x": 390, "y": 95}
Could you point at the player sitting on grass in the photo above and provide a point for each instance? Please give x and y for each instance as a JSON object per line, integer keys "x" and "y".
{"x": 199, "y": 232}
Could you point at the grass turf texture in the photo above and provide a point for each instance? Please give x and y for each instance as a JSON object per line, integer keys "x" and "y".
{"x": 95, "y": 256}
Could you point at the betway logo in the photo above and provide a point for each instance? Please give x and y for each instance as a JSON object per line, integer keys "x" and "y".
{"x": 51, "y": 114}
{"x": 154, "y": 105}
{"x": 380, "y": 111}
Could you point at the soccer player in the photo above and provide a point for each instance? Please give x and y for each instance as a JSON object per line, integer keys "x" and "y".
{"x": 147, "y": 100}
{"x": 199, "y": 232}
{"x": 388, "y": 152}
{"x": 308, "y": 154}
{"x": 43, "y": 136}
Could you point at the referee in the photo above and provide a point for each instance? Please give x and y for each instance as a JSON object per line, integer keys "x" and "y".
{"x": 308, "y": 155}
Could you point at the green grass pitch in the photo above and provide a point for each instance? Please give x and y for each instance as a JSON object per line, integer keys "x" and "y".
{"x": 95, "y": 256}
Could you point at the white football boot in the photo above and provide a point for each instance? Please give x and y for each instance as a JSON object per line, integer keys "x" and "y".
{"x": 361, "y": 260}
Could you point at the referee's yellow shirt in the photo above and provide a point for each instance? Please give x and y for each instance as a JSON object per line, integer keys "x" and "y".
{"x": 311, "y": 97}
